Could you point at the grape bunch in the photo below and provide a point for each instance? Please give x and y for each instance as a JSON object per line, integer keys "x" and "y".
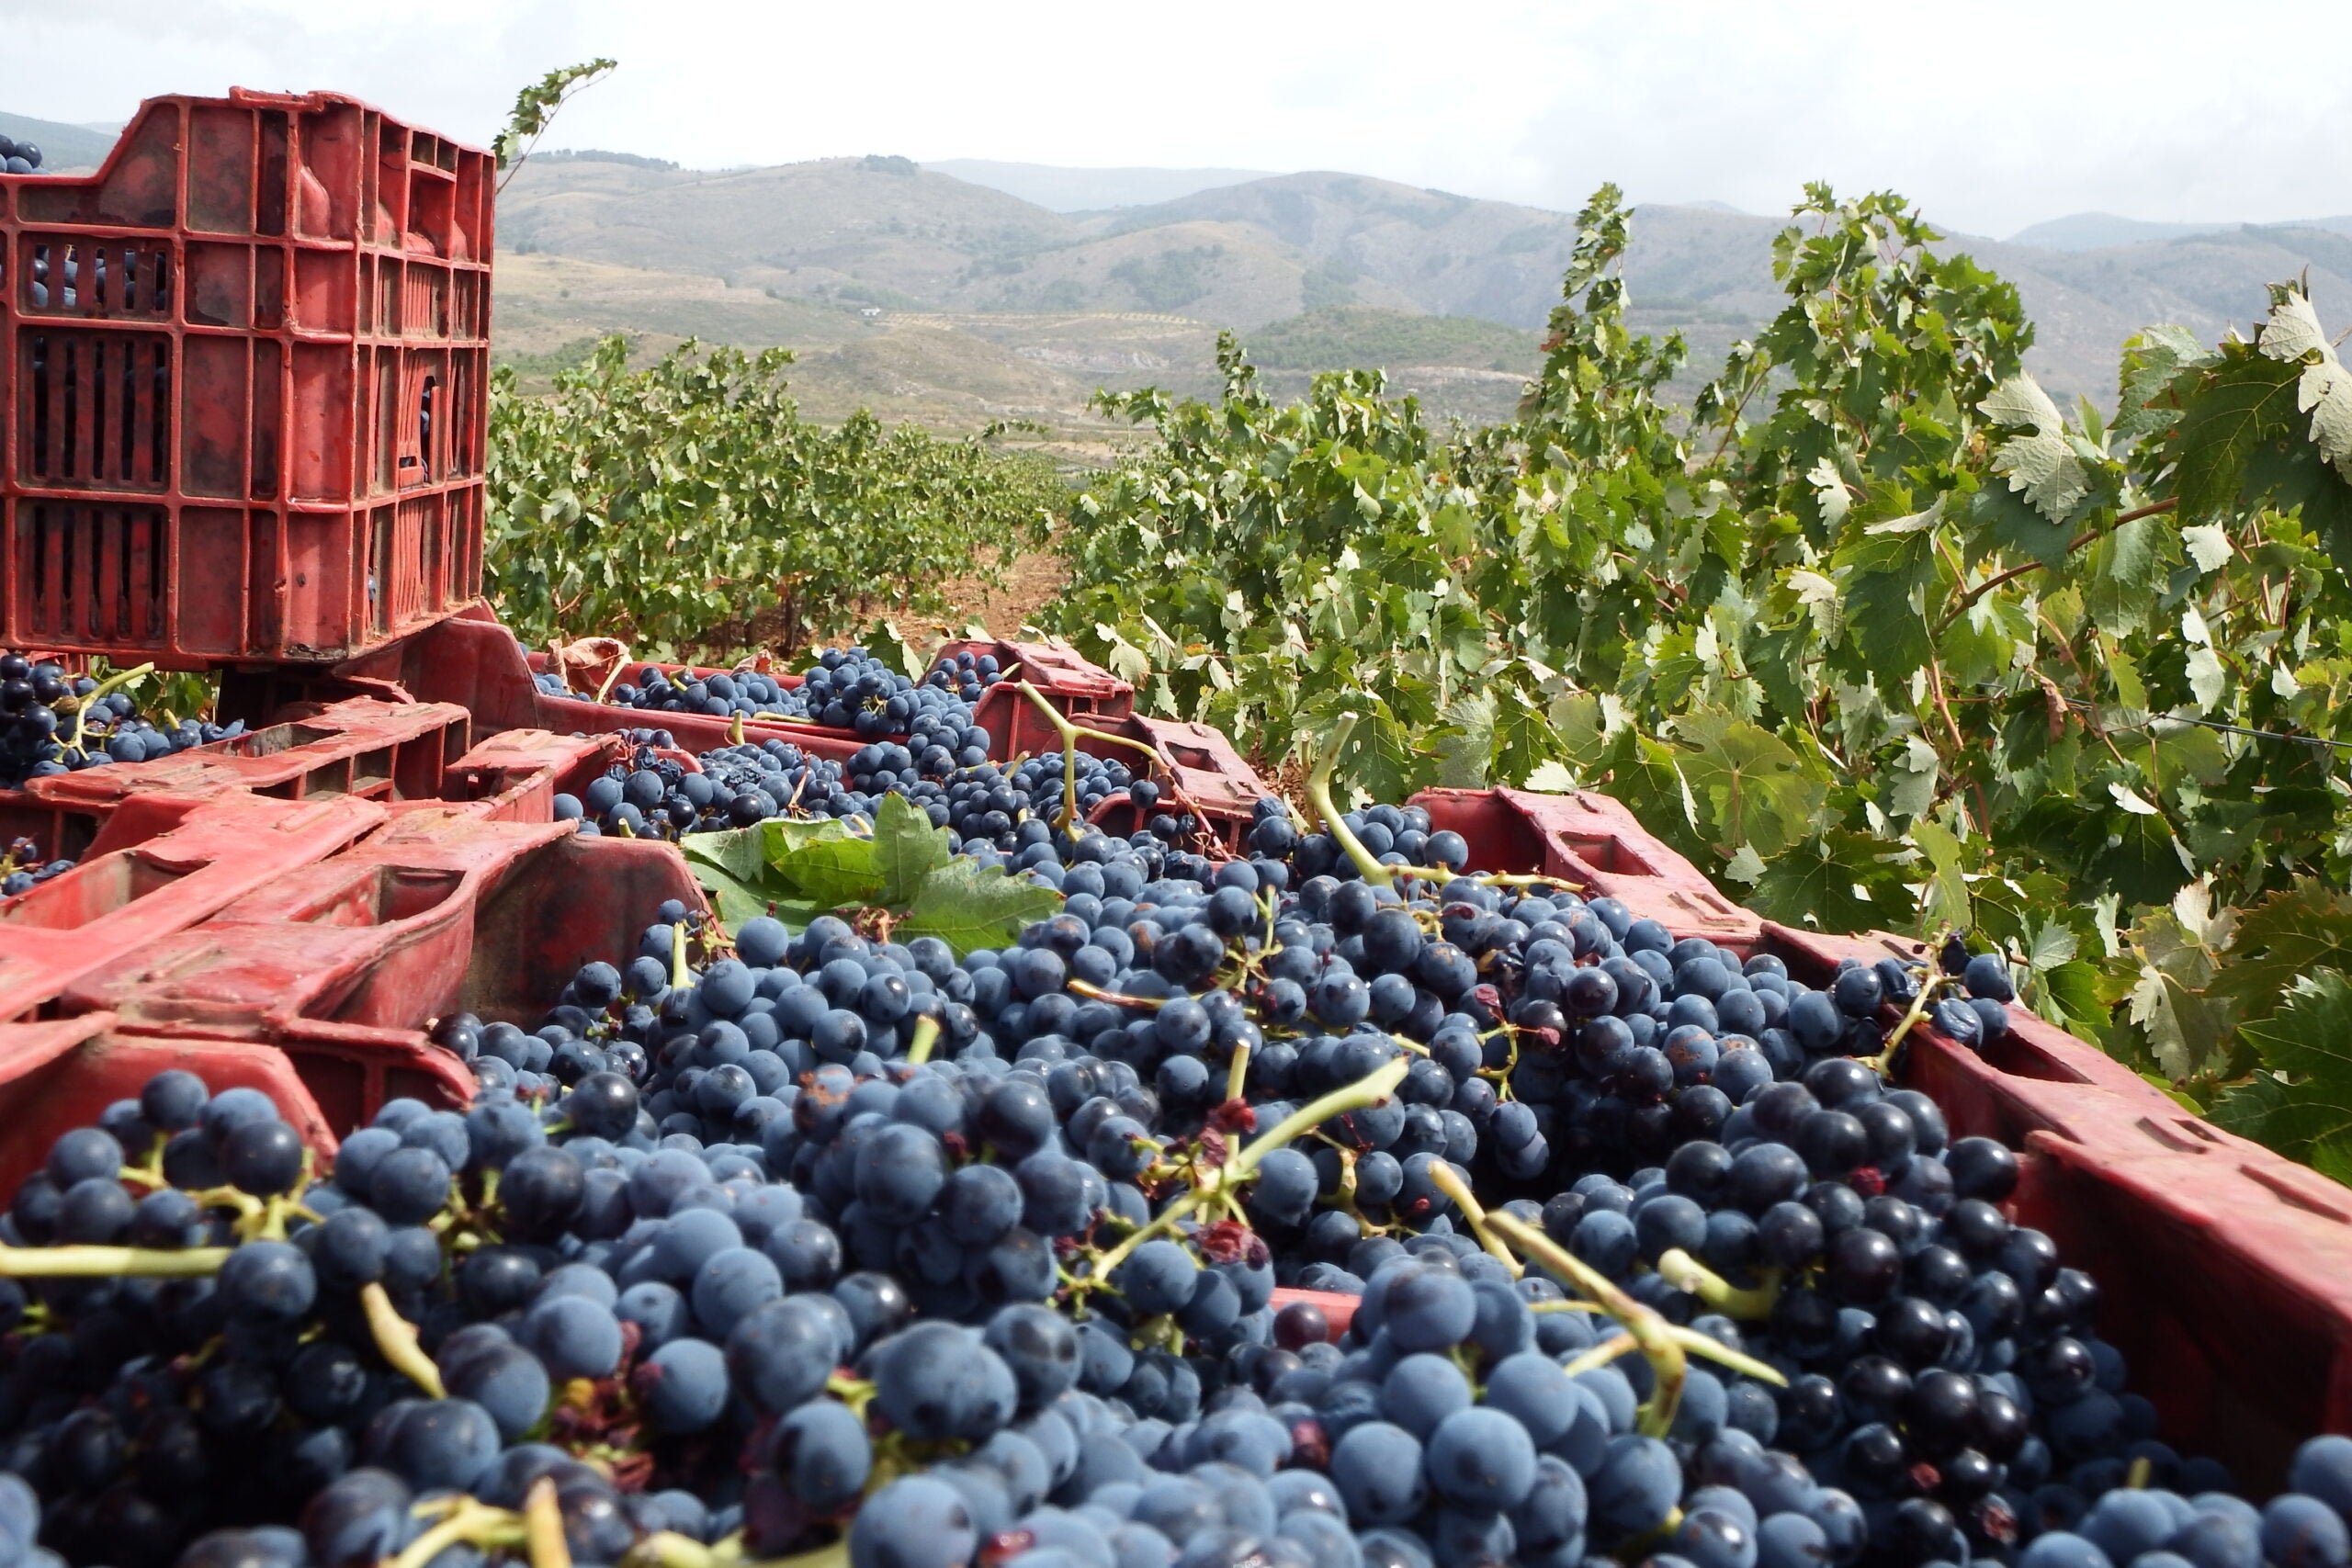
{"x": 40, "y": 704}
{"x": 654, "y": 795}
{"x": 815, "y": 1244}
{"x": 843, "y": 689}
{"x": 998, "y": 815}
{"x": 968, "y": 674}
{"x": 22, "y": 867}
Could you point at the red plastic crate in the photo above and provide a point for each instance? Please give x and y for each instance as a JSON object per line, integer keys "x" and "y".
{"x": 57, "y": 832}
{"x": 514, "y": 776}
{"x": 63, "y": 1074}
{"x": 1594, "y": 843}
{"x": 1200, "y": 769}
{"x": 1071, "y": 684}
{"x": 246, "y": 400}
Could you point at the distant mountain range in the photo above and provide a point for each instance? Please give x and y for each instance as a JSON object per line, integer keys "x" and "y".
{"x": 885, "y": 232}
{"x": 1058, "y": 189}
{"x": 2101, "y": 230}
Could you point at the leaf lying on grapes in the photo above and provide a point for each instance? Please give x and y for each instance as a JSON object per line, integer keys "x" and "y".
{"x": 798, "y": 871}
{"x": 967, "y": 907}
{"x": 907, "y": 849}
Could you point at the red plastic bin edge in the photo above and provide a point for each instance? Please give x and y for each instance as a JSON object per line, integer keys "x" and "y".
{"x": 63, "y": 1074}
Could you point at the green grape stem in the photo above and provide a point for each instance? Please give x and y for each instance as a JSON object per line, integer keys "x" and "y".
{"x": 396, "y": 1341}
{"x": 1448, "y": 1180}
{"x": 543, "y": 1541}
{"x": 1331, "y": 822}
{"x": 104, "y": 688}
{"x": 1685, "y": 1272}
{"x": 1370, "y": 1089}
{"x": 471, "y": 1523}
{"x": 1650, "y": 1332}
{"x": 1071, "y": 734}
{"x": 111, "y": 1262}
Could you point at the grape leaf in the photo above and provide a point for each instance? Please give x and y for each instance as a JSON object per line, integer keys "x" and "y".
{"x": 1756, "y": 786}
{"x": 1911, "y": 781}
{"x": 1382, "y": 759}
{"x": 2184, "y": 1029}
{"x": 1829, "y": 492}
{"x": 2133, "y": 850}
{"x": 1121, "y": 658}
{"x": 1837, "y": 881}
{"x": 2307, "y": 1114}
{"x": 2067, "y": 995}
{"x": 2209, "y": 545}
{"x": 2124, "y": 570}
{"x": 968, "y": 908}
{"x": 886, "y": 642}
{"x": 1467, "y": 745}
{"x": 907, "y": 849}
{"x": 1883, "y": 575}
{"x": 2005, "y": 523}
{"x": 736, "y": 866}
{"x": 831, "y": 871}
{"x": 2247, "y": 399}
{"x": 2323, "y": 390}
{"x": 1552, "y": 778}
{"x": 1524, "y": 738}
{"x": 2153, "y": 361}
{"x": 2300, "y": 929}
{"x": 2040, "y": 462}
{"x": 1943, "y": 900}
{"x": 750, "y": 854}
{"x": 2207, "y": 679}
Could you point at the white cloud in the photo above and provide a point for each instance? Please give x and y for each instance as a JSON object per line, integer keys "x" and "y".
{"x": 1992, "y": 114}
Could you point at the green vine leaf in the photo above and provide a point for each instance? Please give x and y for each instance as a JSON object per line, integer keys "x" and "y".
{"x": 2247, "y": 400}
{"x": 2302, "y": 1103}
{"x": 1756, "y": 789}
{"x": 969, "y": 908}
{"x": 2039, "y": 461}
{"x": 2323, "y": 390}
{"x": 907, "y": 850}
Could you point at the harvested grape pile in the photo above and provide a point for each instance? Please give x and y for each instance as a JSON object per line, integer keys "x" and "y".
{"x": 819, "y": 1247}
{"x": 844, "y": 688}
{"x": 996, "y": 814}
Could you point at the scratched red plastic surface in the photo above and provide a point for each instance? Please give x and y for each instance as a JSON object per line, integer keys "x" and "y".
{"x": 196, "y": 856}
{"x": 249, "y": 371}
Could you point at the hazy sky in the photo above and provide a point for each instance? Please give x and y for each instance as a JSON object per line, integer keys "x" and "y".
{"x": 1992, "y": 115}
